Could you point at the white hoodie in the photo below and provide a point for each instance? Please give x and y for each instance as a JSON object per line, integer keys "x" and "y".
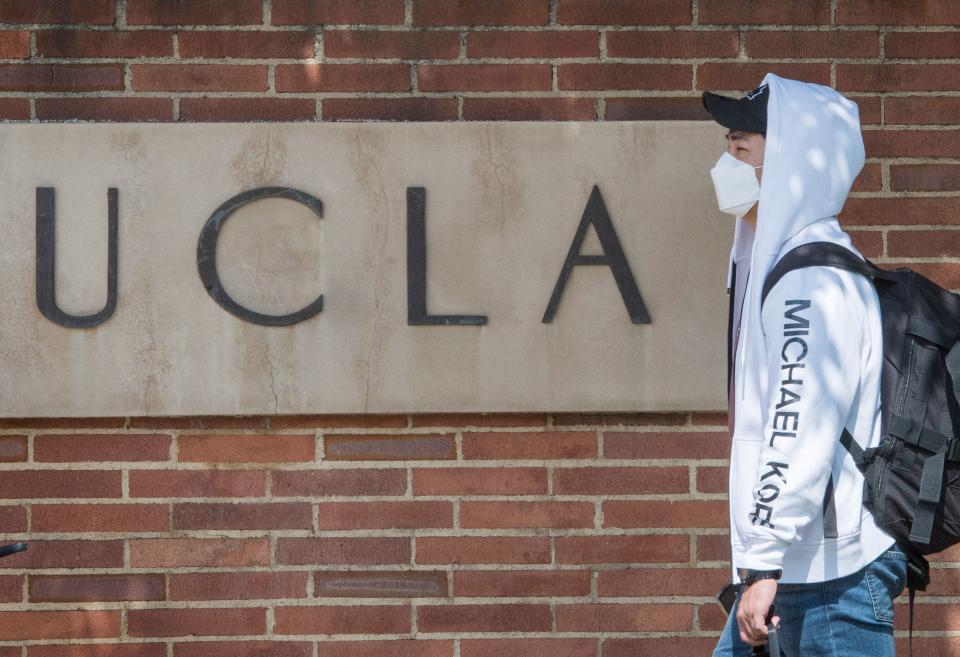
{"x": 808, "y": 365}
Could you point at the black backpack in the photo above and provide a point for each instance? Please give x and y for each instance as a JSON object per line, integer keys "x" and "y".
{"x": 912, "y": 478}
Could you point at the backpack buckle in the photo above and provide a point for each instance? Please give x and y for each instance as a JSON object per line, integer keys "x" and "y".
{"x": 952, "y": 450}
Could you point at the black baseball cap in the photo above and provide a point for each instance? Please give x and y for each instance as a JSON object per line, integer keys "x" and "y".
{"x": 748, "y": 113}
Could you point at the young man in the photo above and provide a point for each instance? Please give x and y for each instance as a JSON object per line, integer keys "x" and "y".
{"x": 804, "y": 365}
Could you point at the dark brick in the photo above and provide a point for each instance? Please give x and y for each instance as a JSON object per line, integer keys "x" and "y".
{"x": 96, "y": 588}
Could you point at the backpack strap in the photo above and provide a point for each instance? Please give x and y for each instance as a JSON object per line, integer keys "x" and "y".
{"x": 821, "y": 254}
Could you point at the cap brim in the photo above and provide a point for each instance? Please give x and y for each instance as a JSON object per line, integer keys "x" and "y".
{"x": 731, "y": 113}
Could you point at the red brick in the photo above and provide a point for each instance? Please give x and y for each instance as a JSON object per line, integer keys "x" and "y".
{"x": 892, "y": 12}
{"x": 104, "y": 109}
{"x": 99, "y": 518}
{"x": 381, "y": 447}
{"x": 72, "y": 423}
{"x": 238, "y": 586}
{"x": 928, "y": 617}
{"x": 565, "y": 647}
{"x": 194, "y": 12}
{"x": 376, "y": 44}
{"x": 925, "y": 45}
{"x": 765, "y": 12}
{"x": 336, "y": 12}
{"x": 947, "y": 275}
{"x": 869, "y": 180}
{"x": 479, "y": 481}
{"x": 245, "y": 448}
{"x": 247, "y": 109}
{"x": 526, "y": 514}
{"x": 97, "y": 588}
{"x": 671, "y": 445}
{"x": 530, "y": 445}
{"x": 617, "y": 12}
{"x": 623, "y": 76}
{"x": 613, "y": 419}
{"x": 484, "y": 77}
{"x": 245, "y": 648}
{"x": 652, "y": 548}
{"x": 101, "y": 12}
{"x": 395, "y": 647}
{"x": 200, "y": 422}
{"x": 932, "y": 110}
{"x": 925, "y": 177}
{"x": 943, "y": 581}
{"x": 385, "y": 515}
{"x": 78, "y": 448}
{"x": 390, "y": 109}
{"x": 656, "y": 109}
{"x": 220, "y": 44}
{"x": 195, "y": 622}
{"x": 197, "y": 483}
{"x": 353, "y": 550}
{"x": 15, "y": 109}
{"x": 22, "y": 484}
{"x": 743, "y": 77}
{"x": 621, "y": 480}
{"x": 13, "y": 518}
{"x": 380, "y": 584}
{"x": 334, "y": 619}
{"x": 17, "y": 625}
{"x": 199, "y": 77}
{"x": 714, "y": 547}
{"x": 484, "y": 618}
{"x": 886, "y": 211}
{"x": 923, "y": 243}
{"x": 67, "y": 554}
{"x": 518, "y": 583}
{"x": 13, "y": 449}
{"x": 928, "y": 645}
{"x": 665, "y": 513}
{"x": 324, "y": 483}
{"x": 333, "y": 420}
{"x": 60, "y": 77}
{"x": 342, "y": 77}
{"x": 481, "y": 12}
{"x": 912, "y": 143}
{"x": 98, "y": 650}
{"x": 666, "y": 647}
{"x": 711, "y": 616}
{"x": 517, "y": 43}
{"x": 11, "y": 589}
{"x": 709, "y": 419}
{"x": 292, "y": 515}
{"x": 199, "y": 552}
{"x": 820, "y": 45}
{"x": 14, "y": 44}
{"x": 482, "y": 549}
{"x": 102, "y": 43}
{"x": 712, "y": 479}
{"x": 642, "y": 582}
{"x": 681, "y": 44}
{"x": 869, "y": 243}
{"x": 529, "y": 109}
{"x": 486, "y": 420}
{"x": 610, "y": 617}
{"x": 869, "y": 107}
{"x": 898, "y": 77}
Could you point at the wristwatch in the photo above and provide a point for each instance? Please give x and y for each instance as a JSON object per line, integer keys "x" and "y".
{"x": 748, "y": 576}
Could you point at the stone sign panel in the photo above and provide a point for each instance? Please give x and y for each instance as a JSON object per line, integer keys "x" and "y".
{"x": 360, "y": 268}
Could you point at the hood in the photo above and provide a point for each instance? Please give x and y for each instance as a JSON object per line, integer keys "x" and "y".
{"x": 813, "y": 153}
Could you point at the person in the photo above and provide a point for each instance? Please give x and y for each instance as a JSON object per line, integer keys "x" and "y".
{"x": 804, "y": 365}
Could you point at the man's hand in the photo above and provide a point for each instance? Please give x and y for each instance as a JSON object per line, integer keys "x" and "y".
{"x": 755, "y": 602}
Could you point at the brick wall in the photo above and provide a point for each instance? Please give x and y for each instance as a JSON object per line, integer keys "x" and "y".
{"x": 450, "y": 535}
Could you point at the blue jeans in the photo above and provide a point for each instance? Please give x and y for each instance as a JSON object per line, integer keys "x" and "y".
{"x": 845, "y": 617}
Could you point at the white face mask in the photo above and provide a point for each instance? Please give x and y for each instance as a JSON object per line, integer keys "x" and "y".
{"x": 736, "y": 185}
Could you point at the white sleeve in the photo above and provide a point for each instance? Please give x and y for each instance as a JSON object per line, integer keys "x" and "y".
{"x": 813, "y": 328}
